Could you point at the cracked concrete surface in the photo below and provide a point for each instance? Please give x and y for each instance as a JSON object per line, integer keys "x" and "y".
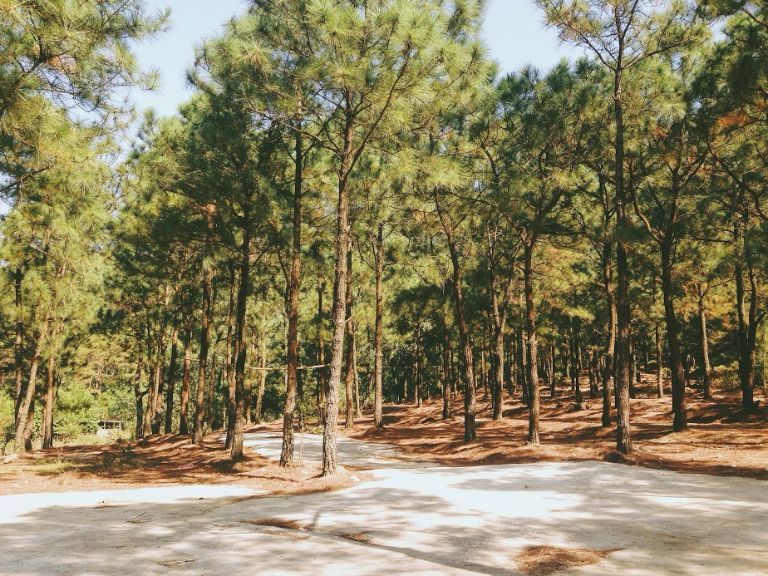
{"x": 411, "y": 518}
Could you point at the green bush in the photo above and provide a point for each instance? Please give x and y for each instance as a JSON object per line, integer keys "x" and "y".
{"x": 6, "y": 420}
{"x": 77, "y": 412}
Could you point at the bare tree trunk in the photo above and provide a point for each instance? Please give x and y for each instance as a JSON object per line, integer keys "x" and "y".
{"x": 185, "y": 378}
{"x": 50, "y": 399}
{"x": 447, "y": 411}
{"x": 262, "y": 381}
{"x": 624, "y": 315}
{"x": 418, "y": 393}
{"x": 23, "y": 427}
{"x": 349, "y": 367}
{"x": 18, "y": 347}
{"x": 322, "y": 383}
{"x": 229, "y": 358}
{"x": 378, "y": 345}
{"x": 358, "y": 403}
{"x": 533, "y": 374}
{"x": 330, "y": 454}
{"x": 747, "y": 320}
{"x": 470, "y": 409}
{"x": 241, "y": 349}
{"x": 673, "y": 341}
{"x": 294, "y": 287}
{"x": 151, "y": 423}
{"x": 170, "y": 388}
{"x": 576, "y": 360}
{"x": 139, "y": 398}
{"x": 205, "y": 326}
{"x": 704, "y": 340}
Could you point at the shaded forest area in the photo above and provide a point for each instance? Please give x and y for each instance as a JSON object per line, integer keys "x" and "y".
{"x": 355, "y": 208}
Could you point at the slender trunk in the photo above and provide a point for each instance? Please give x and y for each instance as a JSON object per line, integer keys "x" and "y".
{"x": 622, "y": 375}
{"x": 499, "y": 367}
{"x": 680, "y": 421}
{"x": 139, "y": 398}
{"x": 470, "y": 409}
{"x": 608, "y": 355}
{"x": 50, "y": 399}
{"x": 262, "y": 382}
{"x": 747, "y": 320}
{"x": 205, "y": 327}
{"x": 294, "y": 286}
{"x": 18, "y": 347}
{"x": 241, "y": 349}
{"x": 417, "y": 391}
{"x": 706, "y": 366}
{"x": 530, "y": 325}
{"x": 185, "y": 378}
{"x": 446, "y": 370}
{"x": 151, "y": 422}
{"x": 632, "y": 369}
{"x": 322, "y": 383}
{"x": 23, "y": 427}
{"x": 349, "y": 365}
{"x": 576, "y": 360}
{"x": 659, "y": 362}
{"x": 170, "y": 388}
{"x": 378, "y": 345}
{"x": 229, "y": 358}
{"x": 338, "y": 315}
{"x": 358, "y": 402}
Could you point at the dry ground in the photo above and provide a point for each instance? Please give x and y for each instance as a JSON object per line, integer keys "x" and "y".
{"x": 721, "y": 439}
{"x": 159, "y": 461}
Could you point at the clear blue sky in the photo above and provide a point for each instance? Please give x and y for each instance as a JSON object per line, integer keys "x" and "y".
{"x": 514, "y": 33}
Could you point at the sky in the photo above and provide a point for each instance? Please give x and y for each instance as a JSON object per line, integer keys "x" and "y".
{"x": 514, "y": 33}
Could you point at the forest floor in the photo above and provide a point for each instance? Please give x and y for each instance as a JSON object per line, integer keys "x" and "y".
{"x": 159, "y": 461}
{"x": 407, "y": 517}
{"x": 721, "y": 439}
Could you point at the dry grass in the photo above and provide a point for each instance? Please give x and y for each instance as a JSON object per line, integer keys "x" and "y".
{"x": 159, "y": 461}
{"x": 721, "y": 439}
{"x": 545, "y": 560}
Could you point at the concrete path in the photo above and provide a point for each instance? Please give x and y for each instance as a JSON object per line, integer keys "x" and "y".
{"x": 410, "y": 519}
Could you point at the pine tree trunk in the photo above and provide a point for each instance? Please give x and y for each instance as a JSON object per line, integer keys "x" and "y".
{"x": 378, "y": 345}
{"x": 499, "y": 367}
{"x": 623, "y": 333}
{"x": 205, "y": 326}
{"x": 262, "y": 381}
{"x": 18, "y": 347}
{"x": 659, "y": 362}
{"x": 170, "y": 388}
{"x": 24, "y": 426}
{"x": 185, "y": 379}
{"x": 349, "y": 375}
{"x": 322, "y": 383}
{"x": 677, "y": 368}
{"x": 139, "y": 398}
{"x": 241, "y": 350}
{"x": 576, "y": 361}
{"x": 446, "y": 357}
{"x": 470, "y": 409}
{"x": 229, "y": 358}
{"x": 294, "y": 287}
{"x": 150, "y": 418}
{"x": 338, "y": 314}
{"x": 50, "y": 400}
{"x": 747, "y": 321}
{"x": 417, "y": 391}
{"x": 706, "y": 366}
{"x": 358, "y": 401}
{"x": 530, "y": 325}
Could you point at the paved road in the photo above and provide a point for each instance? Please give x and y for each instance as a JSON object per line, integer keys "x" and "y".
{"x": 410, "y": 519}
